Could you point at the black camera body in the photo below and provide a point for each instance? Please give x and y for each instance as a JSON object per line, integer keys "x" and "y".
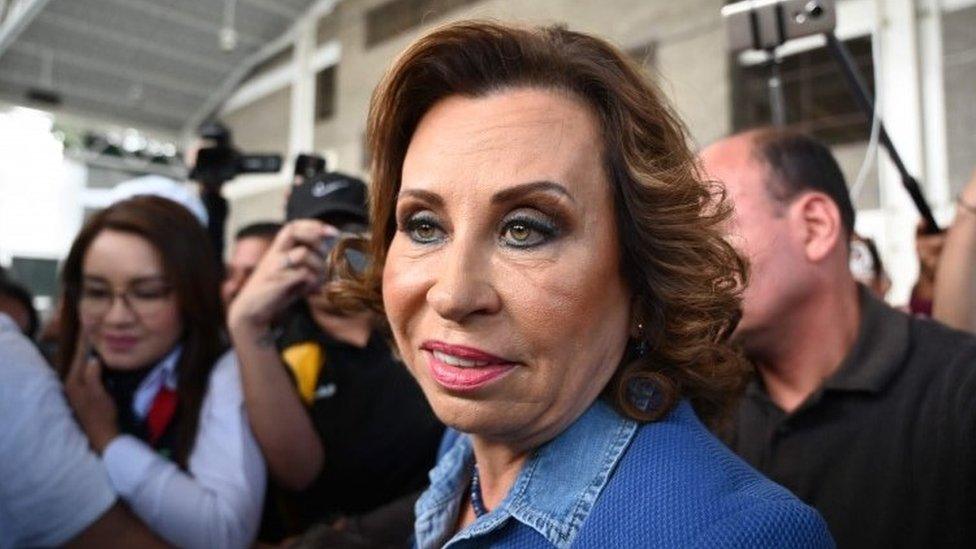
{"x": 308, "y": 166}
{"x": 220, "y": 162}
{"x": 765, "y": 24}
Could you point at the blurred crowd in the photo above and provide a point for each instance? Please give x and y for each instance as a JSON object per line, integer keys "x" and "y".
{"x": 271, "y": 396}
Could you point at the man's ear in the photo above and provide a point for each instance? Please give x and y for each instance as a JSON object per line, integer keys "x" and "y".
{"x": 817, "y": 222}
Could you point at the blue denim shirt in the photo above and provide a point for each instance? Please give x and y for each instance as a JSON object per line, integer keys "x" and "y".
{"x": 553, "y": 494}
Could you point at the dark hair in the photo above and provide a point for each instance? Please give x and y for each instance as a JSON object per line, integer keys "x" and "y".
{"x": 20, "y": 294}
{"x": 685, "y": 277}
{"x": 798, "y": 163}
{"x": 189, "y": 265}
{"x": 261, "y": 229}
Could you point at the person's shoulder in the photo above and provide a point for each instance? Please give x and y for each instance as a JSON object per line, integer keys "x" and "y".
{"x": 680, "y": 445}
{"x": 225, "y": 379}
{"x": 679, "y": 486}
{"x": 21, "y": 366}
{"x": 942, "y": 354}
{"x": 47, "y": 465}
{"x": 929, "y": 332}
{"x": 677, "y": 460}
{"x": 768, "y": 522}
{"x": 938, "y": 340}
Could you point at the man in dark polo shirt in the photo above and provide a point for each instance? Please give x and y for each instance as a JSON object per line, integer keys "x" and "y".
{"x": 863, "y": 412}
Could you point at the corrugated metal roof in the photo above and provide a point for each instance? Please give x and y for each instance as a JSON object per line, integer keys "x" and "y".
{"x": 151, "y": 63}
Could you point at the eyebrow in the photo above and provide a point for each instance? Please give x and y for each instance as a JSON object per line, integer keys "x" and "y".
{"x": 519, "y": 191}
{"x": 427, "y": 196}
{"x": 506, "y": 195}
{"x": 137, "y": 280}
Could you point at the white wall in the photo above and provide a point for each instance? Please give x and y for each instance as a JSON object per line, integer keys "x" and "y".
{"x": 40, "y": 191}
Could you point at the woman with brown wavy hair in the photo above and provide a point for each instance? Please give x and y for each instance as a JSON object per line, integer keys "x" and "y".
{"x": 554, "y": 275}
{"x": 140, "y": 342}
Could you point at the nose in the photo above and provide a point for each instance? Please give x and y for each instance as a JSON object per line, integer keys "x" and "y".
{"x": 462, "y": 288}
{"x": 119, "y": 311}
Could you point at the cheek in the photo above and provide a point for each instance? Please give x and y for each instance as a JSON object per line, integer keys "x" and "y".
{"x": 405, "y": 285}
{"x": 89, "y": 326}
{"x": 586, "y": 293}
{"x": 167, "y": 325}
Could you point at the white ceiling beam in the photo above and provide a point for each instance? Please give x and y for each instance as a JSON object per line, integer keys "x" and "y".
{"x": 319, "y": 9}
{"x": 275, "y": 8}
{"x": 259, "y": 86}
{"x": 154, "y": 10}
{"x": 281, "y": 77}
{"x": 129, "y": 164}
{"x": 325, "y": 56}
{"x": 114, "y": 69}
{"x": 165, "y": 51}
{"x": 18, "y": 18}
{"x": 112, "y": 103}
{"x": 956, "y": 5}
{"x": 79, "y": 118}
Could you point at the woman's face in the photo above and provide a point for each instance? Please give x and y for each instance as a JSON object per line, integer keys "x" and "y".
{"x": 140, "y": 328}
{"x": 503, "y": 283}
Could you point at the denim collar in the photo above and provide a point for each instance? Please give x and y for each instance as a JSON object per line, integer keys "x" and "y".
{"x": 553, "y": 494}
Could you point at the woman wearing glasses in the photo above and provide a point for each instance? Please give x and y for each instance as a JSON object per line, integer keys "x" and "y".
{"x": 141, "y": 329}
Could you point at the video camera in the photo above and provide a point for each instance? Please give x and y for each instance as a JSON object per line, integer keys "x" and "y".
{"x": 765, "y": 24}
{"x": 221, "y": 161}
{"x": 768, "y": 24}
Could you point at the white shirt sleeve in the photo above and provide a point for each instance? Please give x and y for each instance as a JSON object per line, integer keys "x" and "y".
{"x": 219, "y": 503}
{"x": 51, "y": 484}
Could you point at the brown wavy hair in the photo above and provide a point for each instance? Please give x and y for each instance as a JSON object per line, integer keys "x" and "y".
{"x": 685, "y": 277}
{"x": 190, "y": 266}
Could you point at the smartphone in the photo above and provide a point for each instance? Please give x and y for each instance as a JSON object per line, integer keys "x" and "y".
{"x": 357, "y": 260}
{"x": 765, "y": 24}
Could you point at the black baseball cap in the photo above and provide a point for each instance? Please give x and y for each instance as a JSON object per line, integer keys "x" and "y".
{"x": 329, "y": 197}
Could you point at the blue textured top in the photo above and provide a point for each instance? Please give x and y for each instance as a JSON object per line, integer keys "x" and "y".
{"x": 607, "y": 481}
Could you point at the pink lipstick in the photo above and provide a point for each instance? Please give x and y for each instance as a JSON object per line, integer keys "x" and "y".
{"x": 460, "y": 368}
{"x": 120, "y": 344}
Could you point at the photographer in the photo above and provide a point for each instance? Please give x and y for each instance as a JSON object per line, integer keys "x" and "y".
{"x": 343, "y": 426}
{"x": 214, "y": 161}
{"x": 251, "y": 242}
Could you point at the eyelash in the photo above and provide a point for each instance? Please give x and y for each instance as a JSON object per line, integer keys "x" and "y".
{"x": 415, "y": 222}
{"x": 545, "y": 228}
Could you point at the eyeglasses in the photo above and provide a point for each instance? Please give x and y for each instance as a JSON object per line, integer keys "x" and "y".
{"x": 144, "y": 302}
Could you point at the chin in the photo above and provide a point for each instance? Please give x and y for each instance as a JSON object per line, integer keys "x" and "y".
{"x": 495, "y": 418}
{"x": 133, "y": 360}
{"x": 473, "y": 419}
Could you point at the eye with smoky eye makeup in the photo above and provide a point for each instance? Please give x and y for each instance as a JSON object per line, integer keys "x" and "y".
{"x": 527, "y": 228}
{"x": 422, "y": 227}
{"x": 522, "y": 229}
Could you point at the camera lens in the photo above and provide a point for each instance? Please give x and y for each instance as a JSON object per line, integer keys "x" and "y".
{"x": 814, "y": 9}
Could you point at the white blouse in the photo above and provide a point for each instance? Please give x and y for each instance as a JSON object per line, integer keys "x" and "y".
{"x": 218, "y": 504}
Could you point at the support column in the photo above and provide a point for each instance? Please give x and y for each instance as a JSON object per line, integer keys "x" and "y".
{"x": 302, "y": 126}
{"x": 938, "y": 186}
{"x": 899, "y": 83}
